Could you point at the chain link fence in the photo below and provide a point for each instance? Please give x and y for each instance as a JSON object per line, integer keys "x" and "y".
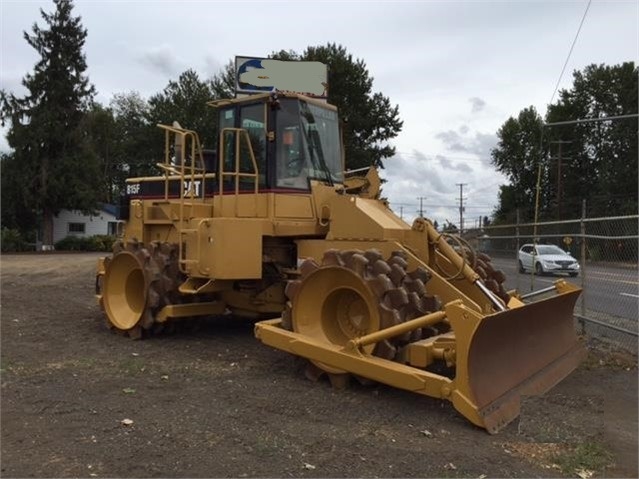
{"x": 606, "y": 249}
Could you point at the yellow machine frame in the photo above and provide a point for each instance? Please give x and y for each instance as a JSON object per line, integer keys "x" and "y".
{"x": 317, "y": 258}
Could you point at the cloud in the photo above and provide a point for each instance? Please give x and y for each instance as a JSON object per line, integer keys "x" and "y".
{"x": 13, "y": 84}
{"x": 163, "y": 60}
{"x": 434, "y": 179}
{"x": 416, "y": 172}
{"x": 479, "y": 144}
{"x": 452, "y": 140}
{"x": 477, "y": 104}
{"x": 449, "y": 165}
{"x": 212, "y": 66}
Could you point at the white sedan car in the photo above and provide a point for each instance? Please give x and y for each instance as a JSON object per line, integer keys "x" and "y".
{"x": 547, "y": 259}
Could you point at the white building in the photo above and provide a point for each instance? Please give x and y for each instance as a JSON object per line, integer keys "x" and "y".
{"x": 75, "y": 223}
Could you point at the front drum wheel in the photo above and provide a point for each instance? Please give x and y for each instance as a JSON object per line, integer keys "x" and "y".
{"x": 354, "y": 293}
{"x": 138, "y": 281}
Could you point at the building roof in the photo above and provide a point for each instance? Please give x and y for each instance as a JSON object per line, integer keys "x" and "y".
{"x": 108, "y": 208}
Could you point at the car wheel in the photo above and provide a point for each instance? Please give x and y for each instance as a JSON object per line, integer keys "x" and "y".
{"x": 521, "y": 267}
{"x": 539, "y": 269}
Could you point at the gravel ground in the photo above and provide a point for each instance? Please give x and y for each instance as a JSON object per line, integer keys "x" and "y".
{"x": 214, "y": 402}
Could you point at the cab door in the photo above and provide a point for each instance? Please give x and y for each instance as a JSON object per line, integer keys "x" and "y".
{"x": 243, "y": 165}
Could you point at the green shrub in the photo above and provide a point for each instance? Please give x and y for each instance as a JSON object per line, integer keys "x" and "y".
{"x": 102, "y": 242}
{"x": 12, "y": 240}
{"x": 86, "y": 243}
{"x": 70, "y": 243}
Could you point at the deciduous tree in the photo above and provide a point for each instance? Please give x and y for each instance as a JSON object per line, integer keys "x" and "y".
{"x": 370, "y": 120}
{"x": 517, "y": 156}
{"x": 599, "y": 159}
{"x": 185, "y": 101}
{"x": 596, "y": 160}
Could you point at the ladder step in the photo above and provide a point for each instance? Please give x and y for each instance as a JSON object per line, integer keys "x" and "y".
{"x": 203, "y": 285}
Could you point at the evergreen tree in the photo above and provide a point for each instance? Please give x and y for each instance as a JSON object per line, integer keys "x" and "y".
{"x": 57, "y": 167}
{"x": 223, "y": 84}
{"x": 16, "y": 213}
{"x": 101, "y": 129}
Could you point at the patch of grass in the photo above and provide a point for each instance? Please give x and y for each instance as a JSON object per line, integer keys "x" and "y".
{"x": 5, "y": 366}
{"x": 588, "y": 456}
{"x": 129, "y": 365}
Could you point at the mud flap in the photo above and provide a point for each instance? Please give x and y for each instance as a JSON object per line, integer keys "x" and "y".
{"x": 521, "y": 351}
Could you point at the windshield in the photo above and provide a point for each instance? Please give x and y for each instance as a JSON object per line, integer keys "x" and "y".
{"x": 549, "y": 249}
{"x": 321, "y": 141}
{"x": 308, "y": 144}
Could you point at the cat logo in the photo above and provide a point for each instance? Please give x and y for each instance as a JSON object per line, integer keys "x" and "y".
{"x": 192, "y": 188}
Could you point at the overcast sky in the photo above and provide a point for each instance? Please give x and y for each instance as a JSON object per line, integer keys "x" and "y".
{"x": 457, "y": 70}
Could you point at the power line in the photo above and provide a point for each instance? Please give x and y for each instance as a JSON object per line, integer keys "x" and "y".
{"x": 569, "y": 53}
{"x": 589, "y": 120}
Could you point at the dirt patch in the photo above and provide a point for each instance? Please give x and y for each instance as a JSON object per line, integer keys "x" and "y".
{"x": 214, "y": 402}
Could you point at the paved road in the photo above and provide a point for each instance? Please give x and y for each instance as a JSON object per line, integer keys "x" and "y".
{"x": 609, "y": 290}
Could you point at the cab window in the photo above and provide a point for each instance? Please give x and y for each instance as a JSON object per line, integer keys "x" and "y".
{"x": 291, "y": 164}
{"x": 227, "y": 120}
{"x": 253, "y": 120}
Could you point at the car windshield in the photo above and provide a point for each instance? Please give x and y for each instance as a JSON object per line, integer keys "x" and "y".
{"x": 549, "y": 249}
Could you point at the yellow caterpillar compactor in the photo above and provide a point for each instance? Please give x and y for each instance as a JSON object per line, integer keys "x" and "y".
{"x": 270, "y": 227}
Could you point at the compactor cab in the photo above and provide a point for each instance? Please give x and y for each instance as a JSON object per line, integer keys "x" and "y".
{"x": 270, "y": 227}
{"x": 286, "y": 141}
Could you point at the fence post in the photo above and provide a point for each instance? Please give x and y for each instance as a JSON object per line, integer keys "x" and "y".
{"x": 583, "y": 257}
{"x": 517, "y": 249}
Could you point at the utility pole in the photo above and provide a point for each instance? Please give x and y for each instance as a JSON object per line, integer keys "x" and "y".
{"x": 421, "y": 205}
{"x": 559, "y": 178}
{"x": 401, "y": 212}
{"x": 461, "y": 207}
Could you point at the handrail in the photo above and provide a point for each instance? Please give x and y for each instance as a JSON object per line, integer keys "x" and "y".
{"x": 240, "y": 133}
{"x": 184, "y": 141}
{"x": 168, "y": 168}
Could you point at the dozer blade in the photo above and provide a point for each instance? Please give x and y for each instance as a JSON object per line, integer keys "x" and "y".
{"x": 498, "y": 357}
{"x": 521, "y": 351}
